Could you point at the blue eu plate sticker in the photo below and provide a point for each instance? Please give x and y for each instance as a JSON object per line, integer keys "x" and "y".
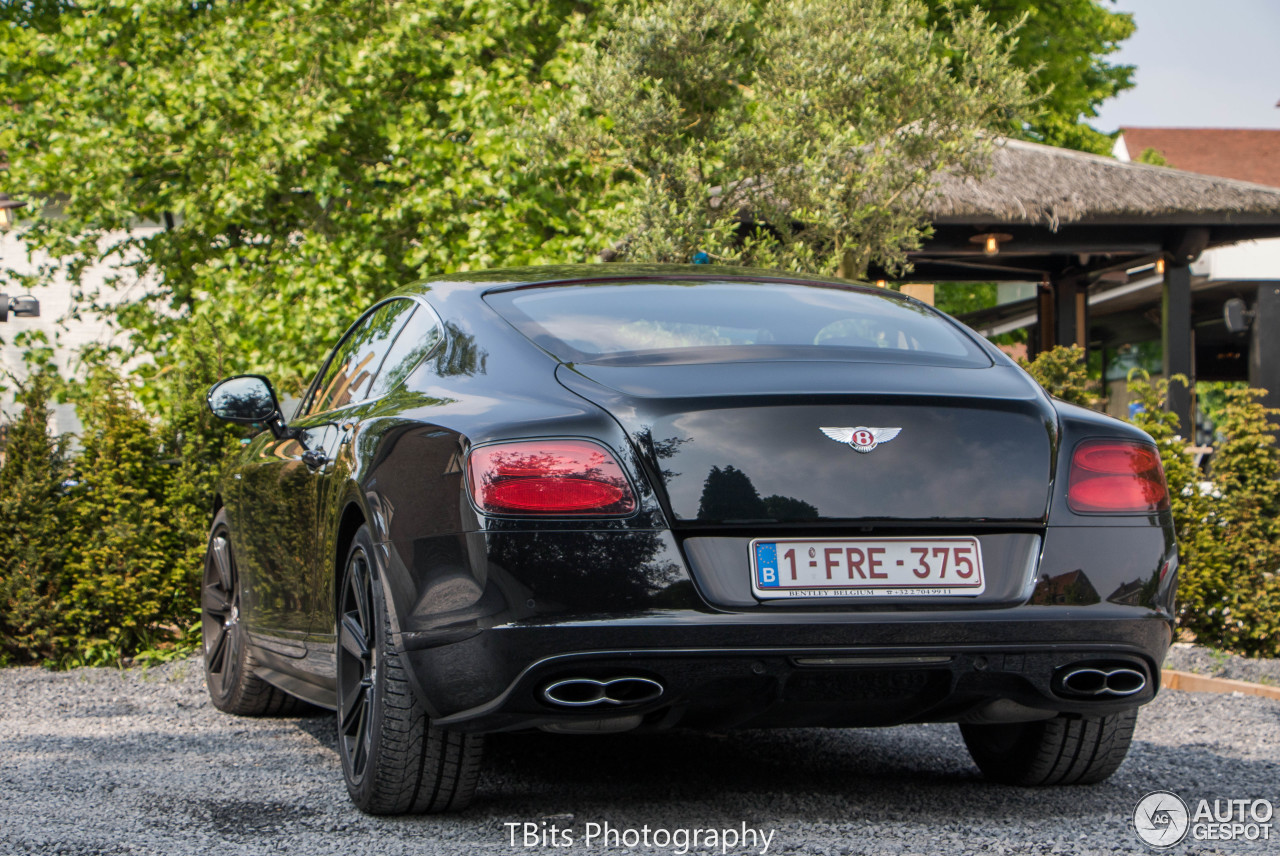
{"x": 767, "y": 565}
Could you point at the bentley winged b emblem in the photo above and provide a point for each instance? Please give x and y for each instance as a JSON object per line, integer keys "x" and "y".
{"x": 862, "y": 438}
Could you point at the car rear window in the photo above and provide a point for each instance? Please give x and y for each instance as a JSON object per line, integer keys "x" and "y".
{"x": 648, "y": 323}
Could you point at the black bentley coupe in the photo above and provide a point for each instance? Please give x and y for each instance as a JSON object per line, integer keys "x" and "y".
{"x": 607, "y": 498}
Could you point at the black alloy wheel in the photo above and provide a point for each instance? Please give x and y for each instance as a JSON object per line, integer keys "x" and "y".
{"x": 220, "y": 613}
{"x": 228, "y": 661}
{"x": 393, "y": 759}
{"x": 357, "y": 666}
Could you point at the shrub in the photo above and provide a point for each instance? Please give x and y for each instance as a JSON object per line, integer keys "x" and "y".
{"x": 33, "y": 544}
{"x": 1229, "y": 543}
{"x": 1061, "y": 371}
{"x": 1227, "y": 522}
{"x": 101, "y": 549}
{"x": 125, "y": 587}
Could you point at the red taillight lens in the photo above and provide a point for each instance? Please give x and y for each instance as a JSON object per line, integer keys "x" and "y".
{"x": 562, "y": 477}
{"x": 1116, "y": 476}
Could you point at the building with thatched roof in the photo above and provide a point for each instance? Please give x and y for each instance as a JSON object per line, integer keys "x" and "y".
{"x": 1105, "y": 250}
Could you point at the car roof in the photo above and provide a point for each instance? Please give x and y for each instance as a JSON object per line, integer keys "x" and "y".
{"x": 502, "y": 278}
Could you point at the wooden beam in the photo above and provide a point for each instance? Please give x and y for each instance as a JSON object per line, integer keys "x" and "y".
{"x": 1191, "y": 682}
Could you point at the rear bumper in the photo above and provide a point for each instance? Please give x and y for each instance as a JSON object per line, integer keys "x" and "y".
{"x": 728, "y": 672}
{"x": 527, "y": 610}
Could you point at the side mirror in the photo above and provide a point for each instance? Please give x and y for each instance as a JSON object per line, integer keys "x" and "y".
{"x": 1236, "y": 316}
{"x": 246, "y": 400}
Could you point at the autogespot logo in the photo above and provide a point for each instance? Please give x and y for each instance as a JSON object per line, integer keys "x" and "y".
{"x": 1161, "y": 819}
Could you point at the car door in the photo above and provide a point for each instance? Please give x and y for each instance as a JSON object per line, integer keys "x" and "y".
{"x": 417, "y": 337}
{"x": 288, "y": 488}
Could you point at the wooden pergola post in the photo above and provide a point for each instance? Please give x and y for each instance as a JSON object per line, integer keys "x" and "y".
{"x": 1178, "y": 345}
{"x": 1062, "y": 314}
{"x": 1070, "y": 313}
{"x": 1264, "y": 350}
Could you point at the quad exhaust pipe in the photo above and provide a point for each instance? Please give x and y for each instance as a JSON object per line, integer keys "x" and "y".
{"x": 1101, "y": 682}
{"x": 588, "y": 692}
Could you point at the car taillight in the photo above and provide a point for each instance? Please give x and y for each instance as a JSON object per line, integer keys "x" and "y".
{"x": 1116, "y": 476}
{"x": 555, "y": 477}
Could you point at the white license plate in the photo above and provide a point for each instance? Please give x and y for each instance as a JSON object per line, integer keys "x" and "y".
{"x": 867, "y": 567}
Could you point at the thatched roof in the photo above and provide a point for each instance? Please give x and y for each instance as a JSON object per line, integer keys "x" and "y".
{"x": 1038, "y": 185}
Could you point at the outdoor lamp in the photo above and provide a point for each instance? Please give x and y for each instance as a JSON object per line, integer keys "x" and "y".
{"x": 8, "y": 207}
{"x": 21, "y": 307}
{"x": 991, "y": 241}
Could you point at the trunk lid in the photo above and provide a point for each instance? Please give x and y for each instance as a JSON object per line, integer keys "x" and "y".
{"x": 743, "y": 442}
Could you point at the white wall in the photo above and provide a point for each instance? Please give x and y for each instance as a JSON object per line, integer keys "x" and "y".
{"x": 1251, "y": 260}
{"x": 65, "y": 334}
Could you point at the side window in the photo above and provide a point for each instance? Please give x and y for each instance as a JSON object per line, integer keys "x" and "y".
{"x": 350, "y": 372}
{"x": 415, "y": 341}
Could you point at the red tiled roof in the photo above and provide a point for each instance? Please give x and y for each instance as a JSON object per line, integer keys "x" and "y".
{"x": 1239, "y": 153}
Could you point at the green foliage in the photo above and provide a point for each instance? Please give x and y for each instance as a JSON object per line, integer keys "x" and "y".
{"x": 101, "y": 547}
{"x": 124, "y": 585}
{"x": 1151, "y": 157}
{"x": 1064, "y": 44}
{"x": 1063, "y": 374}
{"x": 33, "y": 545}
{"x": 343, "y": 148}
{"x": 1228, "y": 524}
{"x": 193, "y": 446}
{"x": 957, "y": 298}
{"x": 312, "y": 154}
{"x": 824, "y": 120}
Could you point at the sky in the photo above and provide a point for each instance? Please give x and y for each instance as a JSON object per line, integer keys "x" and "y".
{"x": 1201, "y": 63}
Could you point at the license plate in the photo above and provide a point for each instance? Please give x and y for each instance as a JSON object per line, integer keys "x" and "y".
{"x": 867, "y": 567}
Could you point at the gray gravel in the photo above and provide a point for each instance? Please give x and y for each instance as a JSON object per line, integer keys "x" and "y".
{"x": 98, "y": 761}
{"x": 1187, "y": 657}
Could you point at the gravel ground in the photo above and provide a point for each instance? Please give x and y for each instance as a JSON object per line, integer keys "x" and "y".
{"x": 1187, "y": 657}
{"x": 99, "y": 761}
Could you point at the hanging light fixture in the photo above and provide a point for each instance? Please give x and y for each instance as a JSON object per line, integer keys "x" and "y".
{"x": 990, "y": 241}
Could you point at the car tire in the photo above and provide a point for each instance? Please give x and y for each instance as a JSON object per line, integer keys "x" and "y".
{"x": 228, "y": 660}
{"x": 394, "y": 760}
{"x": 1065, "y": 750}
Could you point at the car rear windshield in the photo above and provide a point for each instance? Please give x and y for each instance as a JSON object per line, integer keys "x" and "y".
{"x": 648, "y": 323}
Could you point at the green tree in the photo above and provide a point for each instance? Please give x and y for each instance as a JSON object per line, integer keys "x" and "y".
{"x": 824, "y": 120}
{"x": 308, "y": 156}
{"x": 123, "y": 585}
{"x": 33, "y": 545}
{"x": 1064, "y": 45}
{"x": 1151, "y": 157}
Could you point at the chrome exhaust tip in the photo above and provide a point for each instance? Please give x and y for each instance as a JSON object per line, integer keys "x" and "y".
{"x": 588, "y": 692}
{"x": 1103, "y": 682}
